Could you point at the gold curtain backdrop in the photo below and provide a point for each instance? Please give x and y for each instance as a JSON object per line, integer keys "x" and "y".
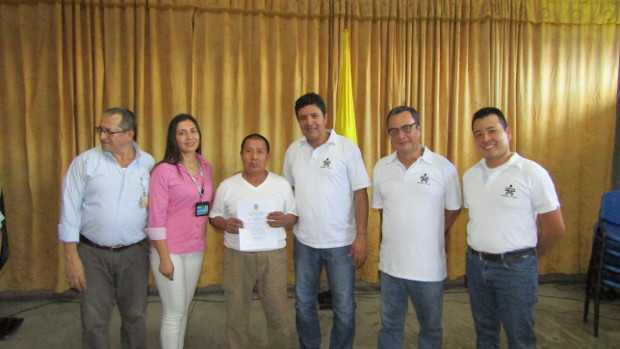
{"x": 238, "y": 66}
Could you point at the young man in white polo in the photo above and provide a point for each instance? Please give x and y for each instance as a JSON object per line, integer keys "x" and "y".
{"x": 514, "y": 216}
{"x": 418, "y": 196}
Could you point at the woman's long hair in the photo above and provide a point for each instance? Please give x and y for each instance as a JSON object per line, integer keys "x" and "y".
{"x": 173, "y": 155}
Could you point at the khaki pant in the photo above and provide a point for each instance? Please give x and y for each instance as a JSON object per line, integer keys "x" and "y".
{"x": 267, "y": 270}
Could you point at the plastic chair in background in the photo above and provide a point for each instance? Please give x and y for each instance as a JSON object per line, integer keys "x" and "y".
{"x": 604, "y": 268}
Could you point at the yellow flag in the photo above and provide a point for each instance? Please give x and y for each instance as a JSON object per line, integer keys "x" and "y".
{"x": 344, "y": 123}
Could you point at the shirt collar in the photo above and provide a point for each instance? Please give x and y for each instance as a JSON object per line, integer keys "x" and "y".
{"x": 427, "y": 156}
{"x": 332, "y": 139}
{"x": 138, "y": 151}
{"x": 136, "y": 148}
{"x": 203, "y": 162}
{"x": 392, "y": 158}
{"x": 515, "y": 160}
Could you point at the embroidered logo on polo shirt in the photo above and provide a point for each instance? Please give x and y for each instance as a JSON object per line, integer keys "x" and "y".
{"x": 327, "y": 163}
{"x": 509, "y": 192}
{"x": 255, "y": 207}
{"x": 424, "y": 179}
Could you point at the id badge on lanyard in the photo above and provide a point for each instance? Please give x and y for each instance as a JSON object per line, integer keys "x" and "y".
{"x": 201, "y": 208}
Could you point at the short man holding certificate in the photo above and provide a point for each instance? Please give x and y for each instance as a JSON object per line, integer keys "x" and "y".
{"x": 253, "y": 208}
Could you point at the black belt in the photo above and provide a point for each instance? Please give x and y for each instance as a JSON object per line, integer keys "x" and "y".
{"x": 500, "y": 257}
{"x": 116, "y": 248}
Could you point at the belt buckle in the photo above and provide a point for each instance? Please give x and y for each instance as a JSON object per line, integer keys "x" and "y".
{"x": 115, "y": 247}
{"x": 491, "y": 257}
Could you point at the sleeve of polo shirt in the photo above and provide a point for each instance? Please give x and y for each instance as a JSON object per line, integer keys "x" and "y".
{"x": 219, "y": 202}
{"x": 544, "y": 196}
{"x": 377, "y": 199}
{"x": 453, "y": 189}
{"x": 290, "y": 206}
{"x": 158, "y": 204}
{"x": 465, "y": 196}
{"x": 71, "y": 201}
{"x": 356, "y": 170}
{"x": 287, "y": 171}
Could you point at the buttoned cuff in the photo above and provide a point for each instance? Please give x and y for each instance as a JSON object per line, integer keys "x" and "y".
{"x": 68, "y": 234}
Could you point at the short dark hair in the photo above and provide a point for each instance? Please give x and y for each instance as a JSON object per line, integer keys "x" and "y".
{"x": 310, "y": 98}
{"x": 128, "y": 119}
{"x": 486, "y": 111}
{"x": 255, "y": 136}
{"x": 403, "y": 108}
{"x": 173, "y": 154}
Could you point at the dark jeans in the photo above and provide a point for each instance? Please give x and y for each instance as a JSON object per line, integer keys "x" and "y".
{"x": 114, "y": 278}
{"x": 341, "y": 277}
{"x": 427, "y": 300}
{"x": 503, "y": 292}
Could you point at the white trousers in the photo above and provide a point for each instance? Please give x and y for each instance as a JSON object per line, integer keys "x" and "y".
{"x": 176, "y": 295}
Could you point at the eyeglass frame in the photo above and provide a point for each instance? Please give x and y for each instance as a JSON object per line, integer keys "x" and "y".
{"x": 107, "y": 131}
{"x": 406, "y": 129}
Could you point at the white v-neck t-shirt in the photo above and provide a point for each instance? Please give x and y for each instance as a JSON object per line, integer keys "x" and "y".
{"x": 236, "y": 189}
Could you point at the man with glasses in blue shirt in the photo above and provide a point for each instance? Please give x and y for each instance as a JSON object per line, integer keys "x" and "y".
{"x": 101, "y": 228}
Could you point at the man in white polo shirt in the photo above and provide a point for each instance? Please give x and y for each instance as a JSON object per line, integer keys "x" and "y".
{"x": 330, "y": 181}
{"x": 418, "y": 196}
{"x": 514, "y": 216}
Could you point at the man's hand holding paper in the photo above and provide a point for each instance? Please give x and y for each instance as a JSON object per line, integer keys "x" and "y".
{"x": 262, "y": 225}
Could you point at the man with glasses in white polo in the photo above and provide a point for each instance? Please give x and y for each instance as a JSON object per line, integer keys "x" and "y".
{"x": 418, "y": 196}
{"x": 102, "y": 221}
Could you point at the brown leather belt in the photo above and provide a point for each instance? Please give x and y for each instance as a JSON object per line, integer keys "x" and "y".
{"x": 84, "y": 240}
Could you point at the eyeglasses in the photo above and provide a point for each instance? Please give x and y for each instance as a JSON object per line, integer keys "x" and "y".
{"x": 107, "y": 131}
{"x": 395, "y": 131}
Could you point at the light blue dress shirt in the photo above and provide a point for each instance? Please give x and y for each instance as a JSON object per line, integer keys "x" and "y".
{"x": 102, "y": 200}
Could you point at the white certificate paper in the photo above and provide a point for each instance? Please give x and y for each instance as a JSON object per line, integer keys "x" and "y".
{"x": 256, "y": 234}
